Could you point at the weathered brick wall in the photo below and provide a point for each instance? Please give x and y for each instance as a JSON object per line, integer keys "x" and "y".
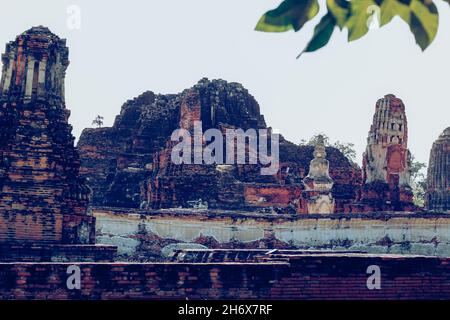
{"x": 142, "y": 234}
{"x": 271, "y": 195}
{"x": 17, "y": 226}
{"x": 303, "y": 277}
{"x": 55, "y": 253}
{"x": 29, "y": 227}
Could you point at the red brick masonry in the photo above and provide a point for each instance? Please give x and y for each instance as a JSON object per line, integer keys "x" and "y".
{"x": 330, "y": 276}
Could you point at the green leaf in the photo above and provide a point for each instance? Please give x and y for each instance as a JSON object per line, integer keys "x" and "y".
{"x": 355, "y": 15}
{"x": 340, "y": 9}
{"x": 322, "y": 34}
{"x": 357, "y": 23}
{"x": 424, "y": 22}
{"x": 392, "y": 8}
{"x": 290, "y": 14}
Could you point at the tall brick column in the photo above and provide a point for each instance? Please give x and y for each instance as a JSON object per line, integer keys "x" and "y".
{"x": 386, "y": 162}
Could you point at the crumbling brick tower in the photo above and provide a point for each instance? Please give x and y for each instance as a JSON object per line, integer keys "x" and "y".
{"x": 386, "y": 162}
{"x": 438, "y": 187}
{"x": 42, "y": 198}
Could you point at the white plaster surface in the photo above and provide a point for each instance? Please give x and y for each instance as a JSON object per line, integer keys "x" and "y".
{"x": 404, "y": 235}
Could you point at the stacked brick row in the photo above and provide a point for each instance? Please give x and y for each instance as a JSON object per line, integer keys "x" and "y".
{"x": 335, "y": 276}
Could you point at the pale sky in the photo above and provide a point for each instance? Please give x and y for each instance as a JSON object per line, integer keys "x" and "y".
{"x": 127, "y": 47}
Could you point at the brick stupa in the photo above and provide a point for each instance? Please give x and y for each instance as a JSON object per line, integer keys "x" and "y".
{"x": 43, "y": 201}
{"x": 387, "y": 161}
{"x": 438, "y": 187}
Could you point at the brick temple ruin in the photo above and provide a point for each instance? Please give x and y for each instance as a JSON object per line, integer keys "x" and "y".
{"x": 318, "y": 200}
{"x": 203, "y": 231}
{"x": 43, "y": 199}
{"x": 129, "y": 164}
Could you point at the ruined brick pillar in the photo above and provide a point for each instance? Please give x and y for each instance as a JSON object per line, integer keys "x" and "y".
{"x": 438, "y": 188}
{"x": 386, "y": 161}
{"x": 318, "y": 183}
{"x": 42, "y": 197}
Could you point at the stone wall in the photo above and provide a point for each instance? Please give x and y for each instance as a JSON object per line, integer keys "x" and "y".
{"x": 331, "y": 276}
{"x": 140, "y": 235}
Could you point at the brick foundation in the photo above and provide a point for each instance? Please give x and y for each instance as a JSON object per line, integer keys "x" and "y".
{"x": 56, "y": 253}
{"x": 332, "y": 276}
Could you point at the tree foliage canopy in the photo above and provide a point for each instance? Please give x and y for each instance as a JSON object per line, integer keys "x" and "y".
{"x": 98, "y": 121}
{"x": 418, "y": 180}
{"x": 356, "y": 16}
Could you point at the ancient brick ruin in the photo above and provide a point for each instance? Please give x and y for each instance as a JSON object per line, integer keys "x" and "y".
{"x": 43, "y": 200}
{"x": 128, "y": 165}
{"x": 438, "y": 187}
{"x": 244, "y": 218}
{"x": 387, "y": 160}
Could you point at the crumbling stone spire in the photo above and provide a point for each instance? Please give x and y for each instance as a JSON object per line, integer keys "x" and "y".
{"x": 386, "y": 162}
{"x": 318, "y": 183}
{"x": 42, "y": 197}
{"x": 438, "y": 187}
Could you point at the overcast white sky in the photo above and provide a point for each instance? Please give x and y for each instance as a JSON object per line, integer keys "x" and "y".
{"x": 126, "y": 47}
